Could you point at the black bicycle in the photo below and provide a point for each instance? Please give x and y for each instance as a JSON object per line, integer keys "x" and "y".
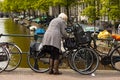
{"x": 84, "y": 56}
{"x": 109, "y": 56}
{"x": 39, "y": 62}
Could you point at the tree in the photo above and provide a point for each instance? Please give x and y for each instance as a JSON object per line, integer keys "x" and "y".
{"x": 91, "y": 10}
{"x": 67, "y": 4}
{"x": 111, "y": 8}
{"x": 43, "y": 5}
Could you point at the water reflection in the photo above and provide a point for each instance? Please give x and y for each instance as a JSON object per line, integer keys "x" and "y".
{"x": 2, "y": 30}
{"x": 7, "y": 26}
{"x": 13, "y": 28}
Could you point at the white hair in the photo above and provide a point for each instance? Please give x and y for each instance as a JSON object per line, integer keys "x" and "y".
{"x": 63, "y": 16}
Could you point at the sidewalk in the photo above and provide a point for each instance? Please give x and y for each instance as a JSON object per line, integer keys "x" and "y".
{"x": 68, "y": 74}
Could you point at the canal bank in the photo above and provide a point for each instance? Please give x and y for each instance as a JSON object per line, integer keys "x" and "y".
{"x": 68, "y": 74}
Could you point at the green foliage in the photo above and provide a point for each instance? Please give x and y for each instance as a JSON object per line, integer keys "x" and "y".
{"x": 1, "y": 4}
{"x": 110, "y": 8}
{"x": 114, "y": 13}
{"x": 94, "y": 8}
{"x": 97, "y": 8}
{"x": 103, "y": 11}
{"x": 65, "y": 2}
{"x": 90, "y": 12}
{"x": 43, "y": 5}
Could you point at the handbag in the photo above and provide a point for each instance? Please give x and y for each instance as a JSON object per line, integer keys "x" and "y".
{"x": 36, "y": 46}
{"x": 69, "y": 43}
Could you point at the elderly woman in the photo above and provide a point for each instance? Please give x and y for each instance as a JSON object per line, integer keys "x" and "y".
{"x": 52, "y": 41}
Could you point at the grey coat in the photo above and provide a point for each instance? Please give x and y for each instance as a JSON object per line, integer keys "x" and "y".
{"x": 55, "y": 33}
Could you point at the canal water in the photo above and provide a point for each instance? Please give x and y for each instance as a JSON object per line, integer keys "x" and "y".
{"x": 8, "y": 26}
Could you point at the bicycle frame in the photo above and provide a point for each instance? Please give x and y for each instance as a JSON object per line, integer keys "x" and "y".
{"x": 105, "y": 56}
{"x": 4, "y": 57}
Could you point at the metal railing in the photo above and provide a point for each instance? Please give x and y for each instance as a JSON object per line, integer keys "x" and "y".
{"x": 23, "y": 35}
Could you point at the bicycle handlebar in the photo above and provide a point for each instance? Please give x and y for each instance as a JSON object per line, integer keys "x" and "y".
{"x": 1, "y": 35}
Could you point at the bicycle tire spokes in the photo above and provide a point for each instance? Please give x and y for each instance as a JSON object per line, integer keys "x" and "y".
{"x": 85, "y": 61}
{"x": 38, "y": 63}
{"x": 15, "y": 55}
{"x": 70, "y": 59}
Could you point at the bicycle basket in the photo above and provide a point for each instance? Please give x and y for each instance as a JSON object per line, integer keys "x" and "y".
{"x": 69, "y": 43}
{"x": 82, "y": 37}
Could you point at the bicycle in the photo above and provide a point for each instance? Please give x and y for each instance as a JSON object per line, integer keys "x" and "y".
{"x": 40, "y": 62}
{"x": 14, "y": 55}
{"x": 80, "y": 58}
{"x": 111, "y": 57}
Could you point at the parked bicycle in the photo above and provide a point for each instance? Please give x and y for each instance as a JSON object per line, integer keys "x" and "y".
{"x": 82, "y": 59}
{"x": 111, "y": 57}
{"x": 14, "y": 55}
{"x": 40, "y": 62}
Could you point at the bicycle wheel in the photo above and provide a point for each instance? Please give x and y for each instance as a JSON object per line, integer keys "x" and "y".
{"x": 69, "y": 59}
{"x": 39, "y": 63}
{"x": 15, "y": 55}
{"x": 85, "y": 61}
{"x": 115, "y": 58}
{"x": 4, "y": 59}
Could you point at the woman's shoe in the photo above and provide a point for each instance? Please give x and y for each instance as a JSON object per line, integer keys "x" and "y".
{"x": 57, "y": 73}
{"x": 51, "y": 72}
{"x": 56, "y": 70}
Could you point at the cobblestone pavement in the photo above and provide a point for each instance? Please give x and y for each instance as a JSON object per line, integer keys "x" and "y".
{"x": 68, "y": 74}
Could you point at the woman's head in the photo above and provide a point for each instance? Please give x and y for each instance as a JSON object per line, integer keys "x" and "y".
{"x": 63, "y": 16}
